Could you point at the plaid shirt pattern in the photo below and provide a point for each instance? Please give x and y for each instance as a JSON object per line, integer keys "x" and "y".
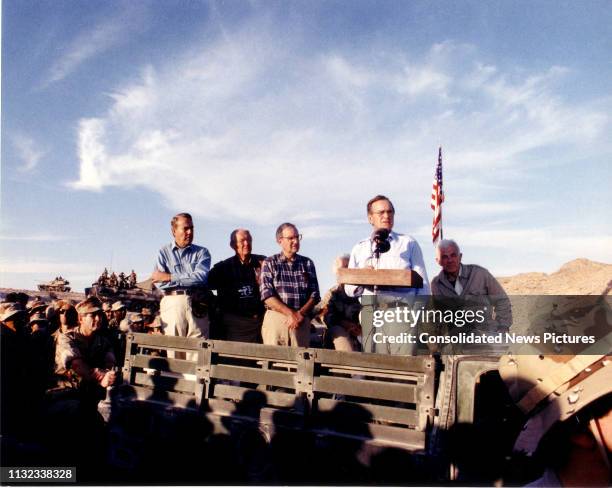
{"x": 293, "y": 282}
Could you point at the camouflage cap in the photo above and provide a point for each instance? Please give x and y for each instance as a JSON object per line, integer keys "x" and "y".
{"x": 156, "y": 324}
{"x": 118, "y": 305}
{"x": 38, "y": 317}
{"x": 552, "y": 388}
{"x": 9, "y": 310}
{"x": 136, "y": 317}
{"x": 35, "y": 306}
{"x": 90, "y": 305}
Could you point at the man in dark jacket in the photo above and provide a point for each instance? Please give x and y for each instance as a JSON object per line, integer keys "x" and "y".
{"x": 236, "y": 280}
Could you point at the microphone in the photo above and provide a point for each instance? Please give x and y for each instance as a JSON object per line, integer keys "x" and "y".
{"x": 380, "y": 239}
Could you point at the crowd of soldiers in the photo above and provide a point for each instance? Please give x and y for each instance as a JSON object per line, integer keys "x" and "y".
{"x": 58, "y": 359}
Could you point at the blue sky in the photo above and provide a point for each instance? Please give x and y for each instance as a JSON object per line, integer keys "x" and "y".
{"x": 117, "y": 115}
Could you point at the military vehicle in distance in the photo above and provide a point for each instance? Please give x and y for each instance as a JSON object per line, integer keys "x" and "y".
{"x": 112, "y": 287}
{"x": 58, "y": 284}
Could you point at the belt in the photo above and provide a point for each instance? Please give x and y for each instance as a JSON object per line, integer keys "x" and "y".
{"x": 177, "y": 292}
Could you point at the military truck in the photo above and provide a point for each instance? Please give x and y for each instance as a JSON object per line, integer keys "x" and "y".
{"x": 59, "y": 284}
{"x": 229, "y": 412}
{"x": 225, "y": 412}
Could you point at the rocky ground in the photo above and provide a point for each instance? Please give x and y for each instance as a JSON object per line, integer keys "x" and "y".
{"x": 578, "y": 277}
{"x": 45, "y": 295}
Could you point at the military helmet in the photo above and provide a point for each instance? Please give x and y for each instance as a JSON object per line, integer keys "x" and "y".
{"x": 552, "y": 388}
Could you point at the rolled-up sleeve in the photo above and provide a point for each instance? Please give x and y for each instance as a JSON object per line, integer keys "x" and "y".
{"x": 418, "y": 264}
{"x": 313, "y": 282}
{"x": 65, "y": 353}
{"x": 161, "y": 264}
{"x": 266, "y": 287}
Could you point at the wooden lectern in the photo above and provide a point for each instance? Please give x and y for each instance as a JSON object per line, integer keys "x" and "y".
{"x": 377, "y": 277}
{"x": 381, "y": 277}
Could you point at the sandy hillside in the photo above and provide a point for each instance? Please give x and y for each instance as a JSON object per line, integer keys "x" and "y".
{"x": 578, "y": 277}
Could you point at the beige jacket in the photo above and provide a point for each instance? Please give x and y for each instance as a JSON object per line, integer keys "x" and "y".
{"x": 479, "y": 286}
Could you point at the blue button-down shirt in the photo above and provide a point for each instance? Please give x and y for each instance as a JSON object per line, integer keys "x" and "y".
{"x": 405, "y": 253}
{"x": 188, "y": 266}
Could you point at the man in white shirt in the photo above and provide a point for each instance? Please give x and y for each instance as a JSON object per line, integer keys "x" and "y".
{"x": 404, "y": 253}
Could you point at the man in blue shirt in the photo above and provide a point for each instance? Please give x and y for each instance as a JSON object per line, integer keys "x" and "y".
{"x": 181, "y": 268}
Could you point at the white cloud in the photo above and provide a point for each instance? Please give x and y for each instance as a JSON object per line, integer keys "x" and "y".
{"x": 92, "y": 155}
{"x": 95, "y": 40}
{"x": 27, "y": 151}
{"x": 421, "y": 80}
{"x": 253, "y": 131}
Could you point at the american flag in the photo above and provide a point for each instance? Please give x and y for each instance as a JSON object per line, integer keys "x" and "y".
{"x": 437, "y": 197}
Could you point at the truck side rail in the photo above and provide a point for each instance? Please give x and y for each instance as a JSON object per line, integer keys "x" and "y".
{"x": 297, "y": 388}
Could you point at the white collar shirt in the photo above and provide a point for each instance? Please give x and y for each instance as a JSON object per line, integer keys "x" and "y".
{"x": 458, "y": 285}
{"x": 405, "y": 253}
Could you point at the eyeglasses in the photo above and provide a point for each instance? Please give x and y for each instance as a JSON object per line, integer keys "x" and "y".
{"x": 381, "y": 212}
{"x": 293, "y": 238}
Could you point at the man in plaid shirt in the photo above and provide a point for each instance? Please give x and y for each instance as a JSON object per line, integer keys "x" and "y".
{"x": 289, "y": 289}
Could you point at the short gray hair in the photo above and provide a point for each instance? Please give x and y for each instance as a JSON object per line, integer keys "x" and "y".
{"x": 444, "y": 243}
{"x": 282, "y": 227}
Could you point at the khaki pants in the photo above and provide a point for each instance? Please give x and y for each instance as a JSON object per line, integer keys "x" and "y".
{"x": 275, "y": 332}
{"x": 178, "y": 319}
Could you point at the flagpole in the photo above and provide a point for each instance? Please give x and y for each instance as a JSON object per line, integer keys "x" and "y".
{"x": 441, "y": 226}
{"x": 437, "y": 197}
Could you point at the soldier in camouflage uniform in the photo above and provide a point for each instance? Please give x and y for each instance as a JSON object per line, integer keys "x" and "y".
{"x": 84, "y": 368}
{"x": 132, "y": 280}
{"x": 84, "y": 355}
